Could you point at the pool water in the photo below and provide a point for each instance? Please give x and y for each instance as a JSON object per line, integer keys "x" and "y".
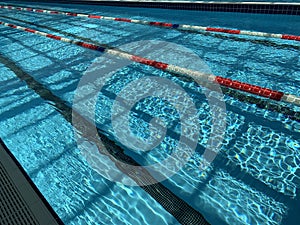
{"x": 255, "y": 177}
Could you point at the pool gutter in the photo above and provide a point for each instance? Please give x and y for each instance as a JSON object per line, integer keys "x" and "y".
{"x": 20, "y": 200}
{"x": 287, "y": 8}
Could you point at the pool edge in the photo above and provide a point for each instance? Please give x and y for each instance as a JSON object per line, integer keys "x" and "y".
{"x": 237, "y": 7}
{"x": 25, "y": 189}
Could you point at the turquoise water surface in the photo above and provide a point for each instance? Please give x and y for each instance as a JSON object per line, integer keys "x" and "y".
{"x": 255, "y": 177}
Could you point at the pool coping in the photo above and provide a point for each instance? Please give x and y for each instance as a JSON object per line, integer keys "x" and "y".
{"x": 20, "y": 185}
{"x": 287, "y": 8}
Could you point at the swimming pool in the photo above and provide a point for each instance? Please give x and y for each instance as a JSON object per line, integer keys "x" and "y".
{"x": 253, "y": 180}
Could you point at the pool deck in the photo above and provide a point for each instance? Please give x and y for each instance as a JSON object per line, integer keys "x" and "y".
{"x": 20, "y": 201}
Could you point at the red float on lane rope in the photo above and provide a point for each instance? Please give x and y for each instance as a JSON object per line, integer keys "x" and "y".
{"x": 123, "y": 20}
{"x": 253, "y": 89}
{"x": 290, "y": 37}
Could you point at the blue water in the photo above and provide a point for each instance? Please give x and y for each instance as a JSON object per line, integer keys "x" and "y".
{"x": 254, "y": 180}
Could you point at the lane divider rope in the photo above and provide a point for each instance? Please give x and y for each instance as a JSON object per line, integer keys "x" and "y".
{"x": 161, "y": 24}
{"x": 233, "y": 84}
